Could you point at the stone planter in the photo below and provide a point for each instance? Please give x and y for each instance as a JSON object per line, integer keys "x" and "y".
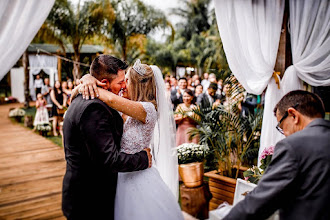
{"x": 192, "y": 174}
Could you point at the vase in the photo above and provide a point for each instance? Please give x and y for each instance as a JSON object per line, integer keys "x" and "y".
{"x": 192, "y": 174}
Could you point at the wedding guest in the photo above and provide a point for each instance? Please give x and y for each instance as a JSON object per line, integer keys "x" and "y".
{"x": 297, "y": 180}
{"x": 220, "y": 84}
{"x": 209, "y": 98}
{"x": 59, "y": 99}
{"x": 195, "y": 80}
{"x": 174, "y": 82}
{"x": 198, "y": 90}
{"x": 211, "y": 79}
{"x": 185, "y": 123}
{"x": 68, "y": 91}
{"x": 38, "y": 83}
{"x": 45, "y": 91}
{"x": 205, "y": 82}
{"x": 168, "y": 89}
{"x": 41, "y": 116}
{"x": 64, "y": 85}
{"x": 189, "y": 84}
{"x": 176, "y": 94}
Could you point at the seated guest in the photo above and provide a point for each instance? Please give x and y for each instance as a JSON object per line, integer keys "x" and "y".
{"x": 297, "y": 180}
{"x": 209, "y": 98}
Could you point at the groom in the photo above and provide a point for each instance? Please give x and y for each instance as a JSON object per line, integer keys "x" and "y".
{"x": 92, "y": 134}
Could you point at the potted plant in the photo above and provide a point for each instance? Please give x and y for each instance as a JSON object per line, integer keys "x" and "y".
{"x": 230, "y": 138}
{"x": 254, "y": 174}
{"x": 191, "y": 170}
{"x": 17, "y": 113}
{"x": 43, "y": 128}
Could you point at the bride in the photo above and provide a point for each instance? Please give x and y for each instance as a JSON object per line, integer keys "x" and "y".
{"x": 150, "y": 193}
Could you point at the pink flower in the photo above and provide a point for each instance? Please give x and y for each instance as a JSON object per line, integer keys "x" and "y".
{"x": 267, "y": 151}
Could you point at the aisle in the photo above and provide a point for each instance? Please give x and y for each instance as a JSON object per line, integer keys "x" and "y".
{"x": 31, "y": 172}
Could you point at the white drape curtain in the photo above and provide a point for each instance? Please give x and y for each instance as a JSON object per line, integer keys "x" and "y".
{"x": 250, "y": 31}
{"x": 310, "y": 42}
{"x": 42, "y": 62}
{"x": 20, "y": 20}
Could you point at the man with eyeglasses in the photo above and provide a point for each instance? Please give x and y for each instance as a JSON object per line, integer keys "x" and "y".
{"x": 297, "y": 181}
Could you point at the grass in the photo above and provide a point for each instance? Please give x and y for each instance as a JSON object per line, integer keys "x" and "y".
{"x": 31, "y": 111}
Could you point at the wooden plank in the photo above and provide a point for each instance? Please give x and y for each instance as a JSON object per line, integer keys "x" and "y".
{"x": 31, "y": 172}
{"x": 30, "y": 190}
{"x": 222, "y": 186}
{"x": 219, "y": 201}
{"x": 220, "y": 191}
{"x": 221, "y": 197}
{"x": 23, "y": 158}
{"x": 30, "y": 208}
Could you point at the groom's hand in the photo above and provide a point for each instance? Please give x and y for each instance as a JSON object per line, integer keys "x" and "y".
{"x": 149, "y": 156}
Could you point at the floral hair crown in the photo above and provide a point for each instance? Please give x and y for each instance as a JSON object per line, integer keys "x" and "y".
{"x": 139, "y": 68}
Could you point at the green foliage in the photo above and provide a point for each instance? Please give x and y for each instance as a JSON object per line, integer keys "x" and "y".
{"x": 229, "y": 136}
{"x": 133, "y": 17}
{"x": 74, "y": 25}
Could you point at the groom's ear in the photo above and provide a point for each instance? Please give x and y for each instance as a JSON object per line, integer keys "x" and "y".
{"x": 107, "y": 86}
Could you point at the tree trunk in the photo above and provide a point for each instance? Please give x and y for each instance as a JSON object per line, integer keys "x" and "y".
{"x": 124, "y": 50}
{"x": 26, "y": 81}
{"x": 76, "y": 66}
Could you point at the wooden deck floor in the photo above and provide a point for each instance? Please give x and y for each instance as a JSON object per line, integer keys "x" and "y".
{"x": 31, "y": 172}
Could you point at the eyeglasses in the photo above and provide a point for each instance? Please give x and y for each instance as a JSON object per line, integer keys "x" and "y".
{"x": 286, "y": 114}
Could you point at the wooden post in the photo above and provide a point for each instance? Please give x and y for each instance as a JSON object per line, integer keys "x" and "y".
{"x": 284, "y": 55}
{"x": 59, "y": 68}
{"x": 25, "y": 62}
{"x": 195, "y": 201}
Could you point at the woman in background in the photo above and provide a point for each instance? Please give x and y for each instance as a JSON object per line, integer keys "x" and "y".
{"x": 183, "y": 121}
{"x": 59, "y": 99}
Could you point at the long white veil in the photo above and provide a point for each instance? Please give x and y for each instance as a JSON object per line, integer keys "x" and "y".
{"x": 163, "y": 144}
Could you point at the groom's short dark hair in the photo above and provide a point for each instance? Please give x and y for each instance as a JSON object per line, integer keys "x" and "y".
{"x": 106, "y": 67}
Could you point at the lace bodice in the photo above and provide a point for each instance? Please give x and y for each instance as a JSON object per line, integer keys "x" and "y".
{"x": 137, "y": 135}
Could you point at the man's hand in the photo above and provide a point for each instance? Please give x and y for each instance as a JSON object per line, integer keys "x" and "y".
{"x": 149, "y": 156}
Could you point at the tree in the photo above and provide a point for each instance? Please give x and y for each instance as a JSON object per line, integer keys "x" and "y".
{"x": 195, "y": 17}
{"x": 134, "y": 20}
{"x": 68, "y": 24}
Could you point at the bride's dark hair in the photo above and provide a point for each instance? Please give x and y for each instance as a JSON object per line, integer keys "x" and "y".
{"x": 142, "y": 88}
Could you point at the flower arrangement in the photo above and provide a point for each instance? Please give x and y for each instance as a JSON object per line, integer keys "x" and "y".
{"x": 255, "y": 173}
{"x": 191, "y": 152}
{"x": 17, "y": 112}
{"x": 43, "y": 127}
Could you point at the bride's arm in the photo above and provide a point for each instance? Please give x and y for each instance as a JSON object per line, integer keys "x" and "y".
{"x": 126, "y": 106}
{"x": 89, "y": 87}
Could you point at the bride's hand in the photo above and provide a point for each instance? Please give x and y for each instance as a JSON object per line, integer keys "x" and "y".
{"x": 89, "y": 86}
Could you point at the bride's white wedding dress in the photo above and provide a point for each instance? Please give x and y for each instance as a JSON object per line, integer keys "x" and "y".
{"x": 143, "y": 195}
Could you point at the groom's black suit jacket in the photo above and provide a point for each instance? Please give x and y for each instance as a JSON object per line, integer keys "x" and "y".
{"x": 92, "y": 134}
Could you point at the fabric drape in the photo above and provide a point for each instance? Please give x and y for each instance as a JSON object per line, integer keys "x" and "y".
{"x": 19, "y": 23}
{"x": 42, "y": 62}
{"x": 250, "y": 32}
{"x": 310, "y": 42}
